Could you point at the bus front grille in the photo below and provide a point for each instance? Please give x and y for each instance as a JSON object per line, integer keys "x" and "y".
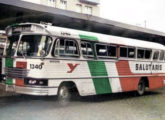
{"x": 16, "y": 72}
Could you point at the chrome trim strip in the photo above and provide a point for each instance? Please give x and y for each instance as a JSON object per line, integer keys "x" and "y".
{"x": 162, "y": 75}
{"x": 36, "y": 91}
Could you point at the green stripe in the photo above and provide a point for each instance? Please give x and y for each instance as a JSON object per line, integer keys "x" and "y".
{"x": 102, "y": 85}
{"x": 9, "y": 63}
{"x": 88, "y": 37}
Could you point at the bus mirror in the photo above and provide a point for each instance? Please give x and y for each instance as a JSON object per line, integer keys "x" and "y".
{"x": 42, "y": 53}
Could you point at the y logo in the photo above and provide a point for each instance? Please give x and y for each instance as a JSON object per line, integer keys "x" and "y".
{"x": 72, "y": 67}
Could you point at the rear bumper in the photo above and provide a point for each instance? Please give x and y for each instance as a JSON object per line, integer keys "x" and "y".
{"x": 39, "y": 91}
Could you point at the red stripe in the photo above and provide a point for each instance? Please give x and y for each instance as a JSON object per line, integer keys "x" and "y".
{"x": 20, "y": 82}
{"x": 127, "y": 84}
{"x": 156, "y": 82}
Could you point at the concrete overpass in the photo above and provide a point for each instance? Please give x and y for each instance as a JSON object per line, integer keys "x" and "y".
{"x": 16, "y": 11}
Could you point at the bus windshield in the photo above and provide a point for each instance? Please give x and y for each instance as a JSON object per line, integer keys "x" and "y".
{"x": 12, "y": 45}
{"x": 34, "y": 45}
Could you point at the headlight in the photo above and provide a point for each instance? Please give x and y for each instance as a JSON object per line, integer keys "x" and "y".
{"x": 32, "y": 82}
{"x": 40, "y": 82}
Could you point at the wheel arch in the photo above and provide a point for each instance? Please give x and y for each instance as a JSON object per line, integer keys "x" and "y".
{"x": 146, "y": 81}
{"x": 71, "y": 84}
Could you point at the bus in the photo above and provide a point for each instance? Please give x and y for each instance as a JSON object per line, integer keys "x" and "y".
{"x": 45, "y": 60}
{"x": 3, "y": 39}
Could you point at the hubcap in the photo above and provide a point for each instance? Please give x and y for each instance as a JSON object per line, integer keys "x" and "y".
{"x": 141, "y": 88}
{"x": 64, "y": 93}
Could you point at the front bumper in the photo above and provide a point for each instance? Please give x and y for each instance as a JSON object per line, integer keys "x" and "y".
{"x": 40, "y": 91}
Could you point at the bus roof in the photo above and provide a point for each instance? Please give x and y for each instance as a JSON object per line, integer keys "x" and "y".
{"x": 78, "y": 34}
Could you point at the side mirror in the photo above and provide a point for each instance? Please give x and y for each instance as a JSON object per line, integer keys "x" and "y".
{"x": 42, "y": 53}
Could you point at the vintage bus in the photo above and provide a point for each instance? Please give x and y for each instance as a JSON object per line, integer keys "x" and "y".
{"x": 41, "y": 59}
{"x": 3, "y": 39}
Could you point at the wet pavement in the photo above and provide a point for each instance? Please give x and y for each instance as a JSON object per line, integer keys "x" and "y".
{"x": 120, "y": 106}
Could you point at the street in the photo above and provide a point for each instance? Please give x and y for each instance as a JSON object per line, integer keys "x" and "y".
{"x": 120, "y": 106}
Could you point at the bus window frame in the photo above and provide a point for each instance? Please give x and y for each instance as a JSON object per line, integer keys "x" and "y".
{"x": 87, "y": 56}
{"x": 155, "y": 60}
{"x": 134, "y": 52}
{"x": 104, "y": 57}
{"x": 128, "y": 58}
{"x": 144, "y": 59}
{"x": 120, "y": 52}
{"x": 66, "y": 56}
{"x": 116, "y": 51}
{"x": 163, "y": 56}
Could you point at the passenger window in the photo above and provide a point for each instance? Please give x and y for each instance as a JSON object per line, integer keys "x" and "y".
{"x": 106, "y": 51}
{"x": 112, "y": 51}
{"x": 101, "y": 50}
{"x": 66, "y": 47}
{"x": 148, "y": 54}
{"x": 131, "y": 52}
{"x": 123, "y": 52}
{"x": 70, "y": 47}
{"x": 140, "y": 53}
{"x": 89, "y": 49}
{"x": 156, "y": 55}
{"x": 161, "y": 55}
{"x": 86, "y": 49}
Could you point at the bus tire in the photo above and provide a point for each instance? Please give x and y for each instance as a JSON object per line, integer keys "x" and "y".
{"x": 141, "y": 88}
{"x": 64, "y": 94}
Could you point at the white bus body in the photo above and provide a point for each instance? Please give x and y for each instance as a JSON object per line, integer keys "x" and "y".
{"x": 41, "y": 59}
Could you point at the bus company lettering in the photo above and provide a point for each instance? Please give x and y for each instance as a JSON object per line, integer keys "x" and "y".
{"x": 72, "y": 67}
{"x": 145, "y": 67}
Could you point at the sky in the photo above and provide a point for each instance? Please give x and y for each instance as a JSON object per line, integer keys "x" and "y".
{"x": 135, "y": 12}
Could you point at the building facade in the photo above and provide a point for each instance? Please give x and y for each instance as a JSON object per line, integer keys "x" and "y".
{"x": 90, "y": 7}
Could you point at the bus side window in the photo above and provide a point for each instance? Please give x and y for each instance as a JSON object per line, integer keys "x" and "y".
{"x": 123, "y": 52}
{"x": 161, "y": 55}
{"x": 66, "y": 48}
{"x": 156, "y": 55}
{"x": 148, "y": 54}
{"x": 101, "y": 50}
{"x": 131, "y": 52}
{"x": 112, "y": 51}
{"x": 140, "y": 53}
{"x": 86, "y": 49}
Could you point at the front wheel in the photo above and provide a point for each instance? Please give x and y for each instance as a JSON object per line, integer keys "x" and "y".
{"x": 141, "y": 87}
{"x": 64, "y": 94}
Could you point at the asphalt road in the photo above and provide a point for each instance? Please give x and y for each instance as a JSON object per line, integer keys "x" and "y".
{"x": 121, "y": 106}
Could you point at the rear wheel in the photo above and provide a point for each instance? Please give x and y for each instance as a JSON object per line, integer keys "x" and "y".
{"x": 141, "y": 87}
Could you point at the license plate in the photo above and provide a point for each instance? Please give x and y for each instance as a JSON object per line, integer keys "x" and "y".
{"x": 10, "y": 88}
